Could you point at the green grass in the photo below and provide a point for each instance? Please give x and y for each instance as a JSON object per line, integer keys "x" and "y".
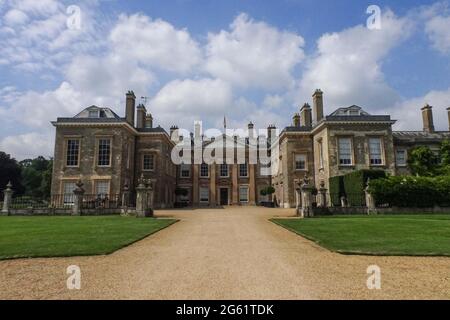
{"x": 25, "y": 237}
{"x": 414, "y": 235}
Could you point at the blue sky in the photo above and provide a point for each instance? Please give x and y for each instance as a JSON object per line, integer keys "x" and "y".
{"x": 255, "y": 60}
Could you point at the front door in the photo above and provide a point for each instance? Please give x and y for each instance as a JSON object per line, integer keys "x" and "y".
{"x": 223, "y": 196}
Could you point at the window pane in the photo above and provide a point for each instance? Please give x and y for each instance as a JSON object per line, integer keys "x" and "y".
{"x": 375, "y": 151}
{"x": 204, "y": 170}
{"x": 185, "y": 170}
{"x": 345, "y": 151}
{"x": 148, "y": 162}
{"x": 104, "y": 151}
{"x": 73, "y": 149}
{"x": 243, "y": 170}
{"x": 102, "y": 188}
{"x": 400, "y": 157}
{"x": 300, "y": 162}
{"x": 204, "y": 194}
{"x": 224, "y": 170}
{"x": 68, "y": 189}
{"x": 243, "y": 194}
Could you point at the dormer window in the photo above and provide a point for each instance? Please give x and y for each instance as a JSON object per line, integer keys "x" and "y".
{"x": 353, "y": 112}
{"x": 93, "y": 114}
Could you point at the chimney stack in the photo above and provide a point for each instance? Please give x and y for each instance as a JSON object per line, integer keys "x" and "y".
{"x": 296, "y": 120}
{"x": 174, "y": 135}
{"x": 251, "y": 131}
{"x": 305, "y": 116}
{"x": 448, "y": 113}
{"x": 141, "y": 115}
{"x": 271, "y": 131}
{"x": 318, "y": 105}
{"x": 197, "y": 129}
{"x": 427, "y": 116}
{"x": 149, "y": 121}
{"x": 129, "y": 107}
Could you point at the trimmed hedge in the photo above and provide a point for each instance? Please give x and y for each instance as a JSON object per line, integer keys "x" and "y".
{"x": 352, "y": 187}
{"x": 409, "y": 191}
{"x": 355, "y": 183}
{"x": 336, "y": 190}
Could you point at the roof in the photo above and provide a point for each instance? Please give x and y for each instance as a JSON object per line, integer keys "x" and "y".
{"x": 103, "y": 113}
{"x": 420, "y": 136}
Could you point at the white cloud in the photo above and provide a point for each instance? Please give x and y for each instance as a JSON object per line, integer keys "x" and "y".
{"x": 254, "y": 54}
{"x": 348, "y": 64}
{"x": 155, "y": 43}
{"x": 438, "y": 30}
{"x": 45, "y": 42}
{"x": 15, "y": 17}
{"x": 183, "y": 101}
{"x": 409, "y": 116}
{"x": 28, "y": 145}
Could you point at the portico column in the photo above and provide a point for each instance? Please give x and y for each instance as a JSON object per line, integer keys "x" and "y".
{"x": 252, "y": 186}
{"x": 234, "y": 184}
{"x": 212, "y": 186}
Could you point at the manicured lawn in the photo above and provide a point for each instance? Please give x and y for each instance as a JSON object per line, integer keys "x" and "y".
{"x": 22, "y": 237}
{"x": 420, "y": 235}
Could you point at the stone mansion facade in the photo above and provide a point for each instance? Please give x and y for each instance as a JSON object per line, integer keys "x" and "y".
{"x": 108, "y": 153}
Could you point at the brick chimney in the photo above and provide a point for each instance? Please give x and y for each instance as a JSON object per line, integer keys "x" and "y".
{"x": 197, "y": 129}
{"x": 305, "y": 116}
{"x": 174, "y": 135}
{"x": 318, "y": 105}
{"x": 149, "y": 121}
{"x": 296, "y": 120}
{"x": 271, "y": 130}
{"x": 129, "y": 107}
{"x": 141, "y": 115}
{"x": 427, "y": 117}
{"x": 251, "y": 130}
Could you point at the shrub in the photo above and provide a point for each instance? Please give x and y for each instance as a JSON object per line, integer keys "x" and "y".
{"x": 355, "y": 183}
{"x": 409, "y": 191}
{"x": 336, "y": 190}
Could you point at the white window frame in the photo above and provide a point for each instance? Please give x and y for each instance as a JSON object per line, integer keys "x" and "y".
{"x": 246, "y": 192}
{"x": 152, "y": 168}
{"x": 220, "y": 170}
{"x": 340, "y": 153}
{"x": 202, "y": 167}
{"x": 99, "y": 139}
{"x": 405, "y": 158}
{"x": 185, "y": 167}
{"x": 372, "y": 160}
{"x": 305, "y": 161}
{"x": 68, "y": 196}
{"x": 106, "y": 188}
{"x": 205, "y": 190}
{"x": 241, "y": 170}
{"x": 67, "y": 152}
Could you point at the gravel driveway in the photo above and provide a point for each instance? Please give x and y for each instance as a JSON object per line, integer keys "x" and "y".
{"x": 233, "y": 253}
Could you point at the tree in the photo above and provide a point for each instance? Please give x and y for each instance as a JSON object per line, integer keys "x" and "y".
{"x": 10, "y": 171}
{"x": 445, "y": 152}
{"x": 422, "y": 161}
{"x": 36, "y": 176}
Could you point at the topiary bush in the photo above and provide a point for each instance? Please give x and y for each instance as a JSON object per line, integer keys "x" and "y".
{"x": 355, "y": 183}
{"x": 336, "y": 190}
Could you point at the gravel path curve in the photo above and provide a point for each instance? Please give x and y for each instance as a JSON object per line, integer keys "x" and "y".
{"x": 233, "y": 253}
